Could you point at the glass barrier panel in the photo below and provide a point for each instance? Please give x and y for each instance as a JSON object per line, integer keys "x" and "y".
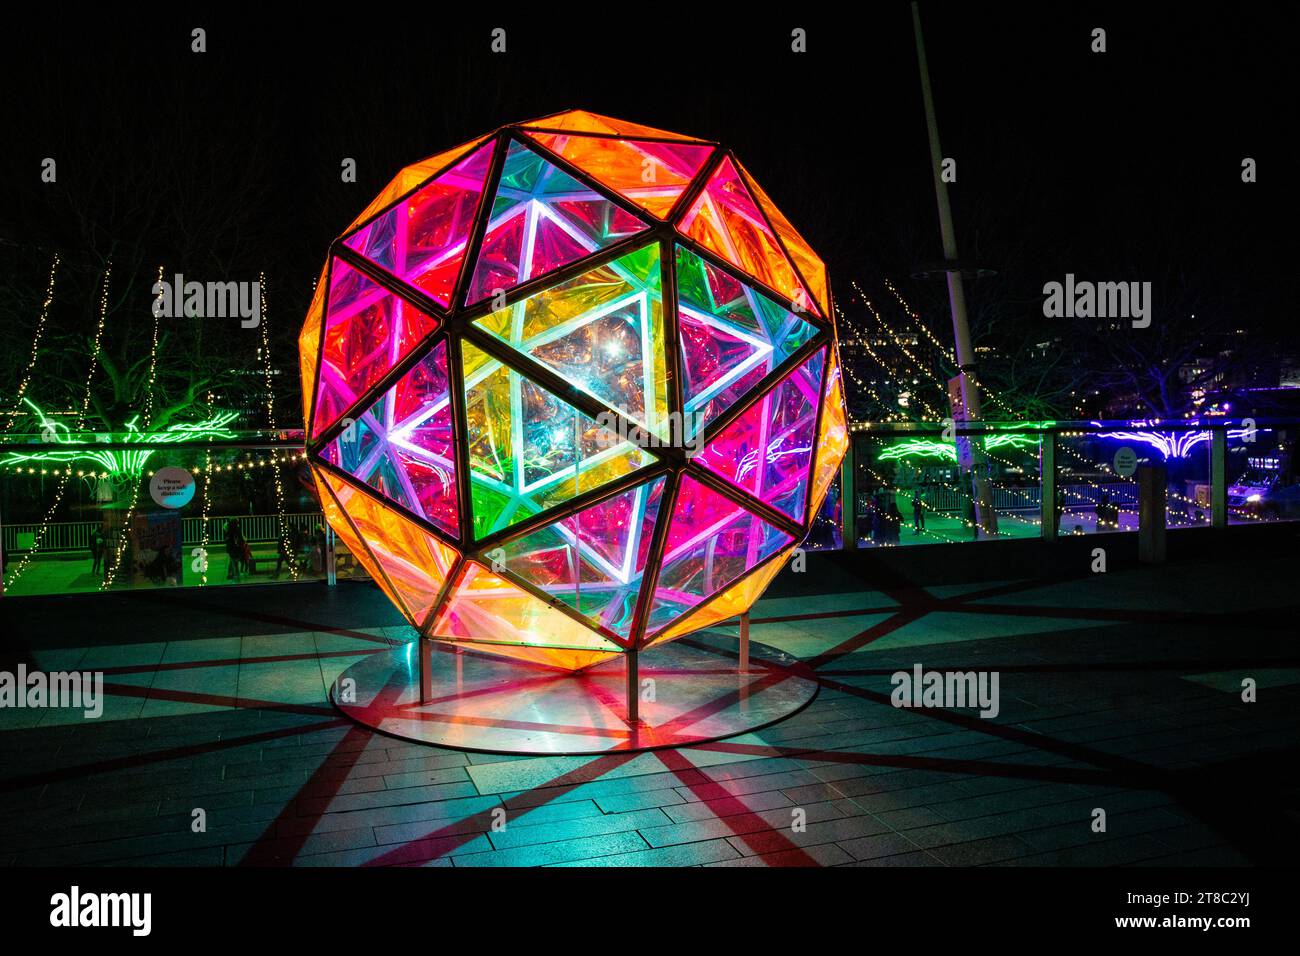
{"x": 1261, "y": 470}
{"x": 170, "y": 516}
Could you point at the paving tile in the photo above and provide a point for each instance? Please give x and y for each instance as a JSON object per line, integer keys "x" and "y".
{"x": 562, "y": 851}
{"x": 703, "y": 853}
{"x": 977, "y": 852}
{"x": 879, "y": 786}
{"x": 640, "y": 800}
{"x": 587, "y": 826}
{"x": 919, "y": 858}
{"x": 538, "y": 821}
{"x": 874, "y": 847}
{"x": 824, "y": 854}
{"x": 727, "y": 806}
{"x": 1102, "y": 853}
{"x": 387, "y": 798}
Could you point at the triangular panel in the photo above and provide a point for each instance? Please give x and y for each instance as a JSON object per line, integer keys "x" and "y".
{"x": 735, "y": 600}
{"x": 541, "y": 219}
{"x": 603, "y": 332}
{"x": 726, "y": 220}
{"x": 368, "y": 330}
{"x": 650, "y": 173}
{"x": 732, "y": 336}
{"x": 342, "y": 527}
{"x": 711, "y": 542}
{"x": 309, "y": 345}
{"x": 488, "y": 609}
{"x": 593, "y": 560}
{"x": 767, "y": 451}
{"x": 414, "y": 563}
{"x": 422, "y": 240}
{"x": 530, "y": 450}
{"x": 403, "y": 445}
{"x": 810, "y": 264}
{"x": 832, "y": 437}
{"x": 410, "y": 177}
{"x": 582, "y": 121}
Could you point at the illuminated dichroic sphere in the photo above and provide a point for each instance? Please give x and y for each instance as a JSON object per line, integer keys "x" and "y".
{"x": 571, "y": 389}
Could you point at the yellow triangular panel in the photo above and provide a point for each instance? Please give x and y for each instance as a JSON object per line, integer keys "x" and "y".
{"x": 338, "y": 521}
{"x": 489, "y": 609}
{"x": 735, "y": 600}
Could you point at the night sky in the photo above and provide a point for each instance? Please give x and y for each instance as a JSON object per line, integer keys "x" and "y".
{"x": 1117, "y": 166}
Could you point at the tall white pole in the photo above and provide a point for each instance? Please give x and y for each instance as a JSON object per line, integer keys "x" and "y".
{"x": 985, "y": 515}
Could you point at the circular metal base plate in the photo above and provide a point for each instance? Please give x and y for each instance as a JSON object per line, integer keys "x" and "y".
{"x": 498, "y": 705}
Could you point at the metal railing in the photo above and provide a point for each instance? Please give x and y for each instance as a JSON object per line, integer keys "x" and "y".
{"x": 1076, "y": 465}
{"x": 1069, "y": 464}
{"x": 75, "y": 535}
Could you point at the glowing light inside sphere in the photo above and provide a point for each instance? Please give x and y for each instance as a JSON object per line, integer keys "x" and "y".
{"x": 571, "y": 389}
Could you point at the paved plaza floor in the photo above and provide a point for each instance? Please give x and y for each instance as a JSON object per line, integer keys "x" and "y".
{"x": 1119, "y": 691}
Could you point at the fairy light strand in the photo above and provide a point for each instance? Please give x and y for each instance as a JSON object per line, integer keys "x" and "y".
{"x": 38, "y": 537}
{"x": 270, "y": 417}
{"x": 36, "y": 344}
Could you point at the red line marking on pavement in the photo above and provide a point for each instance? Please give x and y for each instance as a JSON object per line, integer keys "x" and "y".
{"x": 878, "y": 630}
{"x": 216, "y": 700}
{"x": 440, "y": 842}
{"x": 174, "y": 753}
{"x": 737, "y": 811}
{"x": 271, "y": 849}
{"x": 918, "y": 762}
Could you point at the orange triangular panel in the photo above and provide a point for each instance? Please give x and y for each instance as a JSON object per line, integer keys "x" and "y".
{"x": 410, "y": 177}
{"x": 415, "y": 563}
{"x": 342, "y": 527}
{"x": 650, "y": 173}
{"x": 734, "y": 601}
{"x": 809, "y": 263}
{"x": 581, "y": 121}
{"x": 309, "y": 345}
{"x": 725, "y": 218}
{"x": 486, "y": 608}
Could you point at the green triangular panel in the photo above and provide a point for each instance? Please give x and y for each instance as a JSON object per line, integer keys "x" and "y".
{"x": 603, "y": 332}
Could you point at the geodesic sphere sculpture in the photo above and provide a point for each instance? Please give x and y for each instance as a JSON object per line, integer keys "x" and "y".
{"x": 571, "y": 389}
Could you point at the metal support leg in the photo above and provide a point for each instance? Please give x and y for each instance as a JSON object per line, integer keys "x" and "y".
{"x": 633, "y": 688}
{"x": 426, "y": 669}
{"x": 744, "y": 643}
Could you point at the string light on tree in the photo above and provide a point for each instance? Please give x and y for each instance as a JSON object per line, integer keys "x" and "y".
{"x": 270, "y": 418}
{"x": 36, "y": 344}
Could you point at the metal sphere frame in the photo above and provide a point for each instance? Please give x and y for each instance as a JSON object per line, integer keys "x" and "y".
{"x": 435, "y": 331}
